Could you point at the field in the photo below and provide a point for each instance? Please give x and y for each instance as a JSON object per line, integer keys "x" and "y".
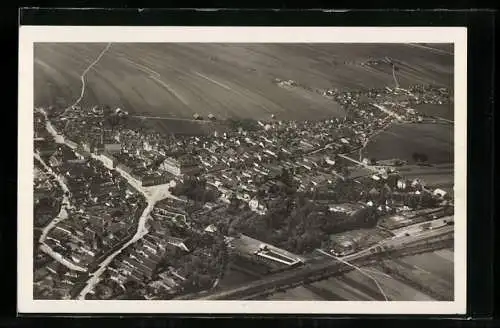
{"x": 423, "y": 277}
{"x": 443, "y": 111}
{"x": 402, "y": 140}
{"x": 180, "y": 127}
{"x": 439, "y": 175}
{"x": 227, "y": 80}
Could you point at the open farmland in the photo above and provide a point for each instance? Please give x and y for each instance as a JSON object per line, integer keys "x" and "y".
{"x": 228, "y": 80}
{"x": 182, "y": 127}
{"x": 423, "y": 277}
{"x": 444, "y": 111}
{"x": 402, "y": 140}
{"x": 437, "y": 176}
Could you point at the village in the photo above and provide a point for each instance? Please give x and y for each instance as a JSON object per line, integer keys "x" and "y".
{"x": 269, "y": 191}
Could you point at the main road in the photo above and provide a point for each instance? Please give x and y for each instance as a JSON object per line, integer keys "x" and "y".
{"x": 152, "y": 194}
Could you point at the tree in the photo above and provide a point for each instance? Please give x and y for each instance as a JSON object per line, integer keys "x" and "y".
{"x": 286, "y": 177}
{"x": 344, "y": 171}
{"x": 301, "y": 200}
{"x": 420, "y": 157}
{"x": 106, "y": 110}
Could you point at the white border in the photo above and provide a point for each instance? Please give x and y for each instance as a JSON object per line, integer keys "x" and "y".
{"x": 30, "y": 34}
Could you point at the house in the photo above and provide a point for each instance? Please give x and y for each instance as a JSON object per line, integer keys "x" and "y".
{"x": 258, "y": 206}
{"x": 439, "y": 192}
{"x": 177, "y": 242}
{"x": 55, "y": 160}
{"x": 112, "y": 147}
{"x": 185, "y": 165}
{"x": 226, "y": 195}
{"x": 416, "y": 183}
{"x": 401, "y": 184}
{"x": 349, "y": 209}
{"x": 211, "y": 228}
{"x": 329, "y": 161}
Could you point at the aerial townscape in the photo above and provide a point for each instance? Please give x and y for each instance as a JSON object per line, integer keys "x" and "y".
{"x": 207, "y": 204}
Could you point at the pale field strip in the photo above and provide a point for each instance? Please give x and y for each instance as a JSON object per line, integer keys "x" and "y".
{"x": 170, "y": 89}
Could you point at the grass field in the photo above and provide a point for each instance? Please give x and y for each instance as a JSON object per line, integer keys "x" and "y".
{"x": 443, "y": 111}
{"x": 402, "y": 140}
{"x": 228, "y": 80}
{"x": 437, "y": 176}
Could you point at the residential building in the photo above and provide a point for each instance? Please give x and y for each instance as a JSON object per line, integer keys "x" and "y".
{"x": 185, "y": 165}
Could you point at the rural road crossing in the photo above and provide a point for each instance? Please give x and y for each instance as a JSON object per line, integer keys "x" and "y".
{"x": 153, "y": 195}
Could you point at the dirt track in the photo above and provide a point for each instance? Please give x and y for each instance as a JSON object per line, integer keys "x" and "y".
{"x": 223, "y": 79}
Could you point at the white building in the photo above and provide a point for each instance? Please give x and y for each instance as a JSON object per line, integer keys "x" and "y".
{"x": 112, "y": 147}
{"x": 401, "y": 184}
{"x": 439, "y": 192}
{"x": 183, "y": 166}
{"x": 257, "y": 206}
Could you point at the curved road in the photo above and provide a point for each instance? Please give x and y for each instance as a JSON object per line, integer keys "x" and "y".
{"x": 82, "y": 77}
{"x": 62, "y": 215}
{"x": 152, "y": 194}
{"x": 141, "y": 231}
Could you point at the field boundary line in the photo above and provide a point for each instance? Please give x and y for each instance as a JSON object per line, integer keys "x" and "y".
{"x": 213, "y": 81}
{"x": 169, "y": 89}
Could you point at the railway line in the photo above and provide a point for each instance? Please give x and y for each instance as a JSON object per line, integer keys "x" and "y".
{"x": 326, "y": 268}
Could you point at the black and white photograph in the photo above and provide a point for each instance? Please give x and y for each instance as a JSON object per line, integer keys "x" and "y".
{"x": 233, "y": 171}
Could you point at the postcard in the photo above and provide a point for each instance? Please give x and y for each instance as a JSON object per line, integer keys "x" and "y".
{"x": 301, "y": 170}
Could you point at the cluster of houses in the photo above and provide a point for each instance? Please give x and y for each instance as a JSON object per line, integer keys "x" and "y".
{"x": 47, "y": 197}
{"x": 54, "y": 281}
{"x": 103, "y": 213}
{"x": 245, "y": 164}
{"x": 255, "y": 167}
{"x": 399, "y": 103}
{"x": 349, "y": 242}
{"x": 140, "y": 265}
{"x": 143, "y": 262}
